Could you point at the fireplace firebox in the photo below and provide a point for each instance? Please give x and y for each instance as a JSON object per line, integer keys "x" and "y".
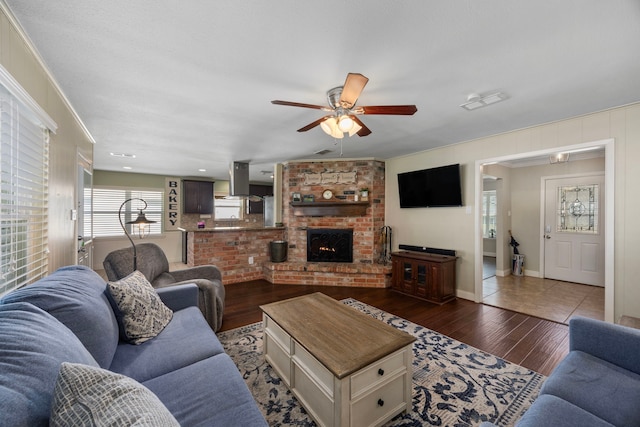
{"x": 329, "y": 245}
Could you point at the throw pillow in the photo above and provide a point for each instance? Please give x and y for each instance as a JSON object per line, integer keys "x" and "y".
{"x": 89, "y": 396}
{"x": 142, "y": 313}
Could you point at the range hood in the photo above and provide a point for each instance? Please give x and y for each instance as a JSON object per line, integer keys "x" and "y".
{"x": 239, "y": 179}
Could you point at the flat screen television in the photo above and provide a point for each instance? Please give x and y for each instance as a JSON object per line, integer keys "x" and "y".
{"x": 430, "y": 188}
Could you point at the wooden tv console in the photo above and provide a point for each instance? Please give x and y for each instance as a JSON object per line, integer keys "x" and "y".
{"x": 431, "y": 277}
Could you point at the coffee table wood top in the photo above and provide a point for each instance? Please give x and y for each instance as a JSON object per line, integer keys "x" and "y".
{"x": 343, "y": 339}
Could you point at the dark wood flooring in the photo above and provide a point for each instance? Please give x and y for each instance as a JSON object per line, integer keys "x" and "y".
{"x": 531, "y": 342}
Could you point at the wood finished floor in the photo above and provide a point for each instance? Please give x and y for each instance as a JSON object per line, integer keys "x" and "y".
{"x": 529, "y": 341}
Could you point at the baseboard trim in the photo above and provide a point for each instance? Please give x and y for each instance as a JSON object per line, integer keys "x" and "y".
{"x": 465, "y": 295}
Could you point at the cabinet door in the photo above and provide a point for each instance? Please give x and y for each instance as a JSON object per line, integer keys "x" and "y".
{"x": 190, "y": 196}
{"x": 422, "y": 281}
{"x": 396, "y": 274}
{"x": 408, "y": 273}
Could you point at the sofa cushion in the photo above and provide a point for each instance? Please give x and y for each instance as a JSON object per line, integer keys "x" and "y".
{"x": 606, "y": 390}
{"x": 549, "y": 410}
{"x": 186, "y": 340}
{"x": 76, "y": 296}
{"x": 33, "y": 344}
{"x": 192, "y": 392}
{"x": 141, "y": 312}
{"x": 85, "y": 395}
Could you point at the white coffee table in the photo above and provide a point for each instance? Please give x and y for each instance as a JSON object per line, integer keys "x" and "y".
{"x": 345, "y": 368}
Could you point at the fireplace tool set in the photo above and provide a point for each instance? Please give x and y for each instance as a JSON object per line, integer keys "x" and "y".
{"x": 385, "y": 245}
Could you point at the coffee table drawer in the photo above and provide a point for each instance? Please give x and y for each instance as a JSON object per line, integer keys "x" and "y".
{"x": 380, "y": 404}
{"x": 277, "y": 357}
{"x": 381, "y": 371}
{"x": 277, "y": 333}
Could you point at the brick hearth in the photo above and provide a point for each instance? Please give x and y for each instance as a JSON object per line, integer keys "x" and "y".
{"x": 328, "y": 274}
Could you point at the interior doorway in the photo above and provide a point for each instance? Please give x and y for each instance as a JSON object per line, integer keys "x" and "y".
{"x": 481, "y": 166}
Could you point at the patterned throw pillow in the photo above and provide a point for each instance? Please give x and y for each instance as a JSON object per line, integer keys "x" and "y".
{"x": 89, "y": 396}
{"x": 142, "y": 313}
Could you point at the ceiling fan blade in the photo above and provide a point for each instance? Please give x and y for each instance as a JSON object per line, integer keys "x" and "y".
{"x": 353, "y": 86}
{"x": 400, "y": 110}
{"x": 313, "y": 124}
{"x": 298, "y": 104}
{"x": 365, "y": 130}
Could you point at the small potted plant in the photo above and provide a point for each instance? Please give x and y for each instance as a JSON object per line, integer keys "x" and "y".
{"x": 364, "y": 193}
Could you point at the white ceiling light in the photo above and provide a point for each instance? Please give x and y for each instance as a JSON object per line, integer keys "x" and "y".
{"x": 128, "y": 156}
{"x": 475, "y": 101}
{"x": 559, "y": 158}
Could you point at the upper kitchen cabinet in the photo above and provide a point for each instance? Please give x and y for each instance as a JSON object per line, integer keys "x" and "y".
{"x": 197, "y": 196}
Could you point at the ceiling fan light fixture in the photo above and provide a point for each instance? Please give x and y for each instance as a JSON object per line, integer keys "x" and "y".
{"x": 345, "y": 123}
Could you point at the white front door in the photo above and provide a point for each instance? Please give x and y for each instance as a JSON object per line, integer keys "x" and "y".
{"x": 574, "y": 229}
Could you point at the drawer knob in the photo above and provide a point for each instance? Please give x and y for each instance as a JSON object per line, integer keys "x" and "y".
{"x": 380, "y": 402}
{"x": 380, "y": 371}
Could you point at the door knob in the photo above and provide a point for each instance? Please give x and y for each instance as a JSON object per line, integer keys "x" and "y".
{"x": 546, "y": 236}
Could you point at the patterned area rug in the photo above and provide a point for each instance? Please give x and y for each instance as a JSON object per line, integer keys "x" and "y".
{"x": 453, "y": 384}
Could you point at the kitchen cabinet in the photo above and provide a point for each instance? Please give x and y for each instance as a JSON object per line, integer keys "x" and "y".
{"x": 197, "y": 197}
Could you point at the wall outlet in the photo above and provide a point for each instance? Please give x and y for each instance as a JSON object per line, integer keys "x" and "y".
{"x": 250, "y": 260}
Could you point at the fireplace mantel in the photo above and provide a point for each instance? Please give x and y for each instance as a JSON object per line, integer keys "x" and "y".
{"x": 329, "y": 208}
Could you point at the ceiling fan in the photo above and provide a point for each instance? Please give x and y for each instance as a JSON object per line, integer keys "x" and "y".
{"x": 344, "y": 113}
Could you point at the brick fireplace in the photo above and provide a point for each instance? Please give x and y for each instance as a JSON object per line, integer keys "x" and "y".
{"x": 364, "y": 269}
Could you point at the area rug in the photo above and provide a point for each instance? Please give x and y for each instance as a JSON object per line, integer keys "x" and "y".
{"x": 454, "y": 384}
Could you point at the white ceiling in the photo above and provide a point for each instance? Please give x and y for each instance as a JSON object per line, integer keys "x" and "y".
{"x": 187, "y": 85}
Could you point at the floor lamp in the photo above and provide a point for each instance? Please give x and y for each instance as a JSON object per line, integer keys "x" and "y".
{"x": 140, "y": 223}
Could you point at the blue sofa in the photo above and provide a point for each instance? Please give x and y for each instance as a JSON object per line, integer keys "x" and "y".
{"x": 67, "y": 317}
{"x": 596, "y": 384}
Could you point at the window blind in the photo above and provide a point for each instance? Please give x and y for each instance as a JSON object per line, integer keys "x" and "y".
{"x": 107, "y": 202}
{"x": 24, "y": 181}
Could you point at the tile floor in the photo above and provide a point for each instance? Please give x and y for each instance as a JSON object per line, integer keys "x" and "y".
{"x": 548, "y": 299}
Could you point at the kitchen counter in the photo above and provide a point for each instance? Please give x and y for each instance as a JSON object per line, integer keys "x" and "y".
{"x": 239, "y": 252}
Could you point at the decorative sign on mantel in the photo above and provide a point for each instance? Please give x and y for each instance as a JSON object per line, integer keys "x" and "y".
{"x": 330, "y": 178}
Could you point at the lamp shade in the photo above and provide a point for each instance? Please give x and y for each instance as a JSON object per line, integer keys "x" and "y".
{"x": 345, "y": 123}
{"x": 330, "y": 127}
{"x": 141, "y": 219}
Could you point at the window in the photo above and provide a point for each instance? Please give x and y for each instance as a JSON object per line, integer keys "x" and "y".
{"x": 107, "y": 202}
{"x": 489, "y": 211}
{"x": 24, "y": 181}
{"x": 227, "y": 208}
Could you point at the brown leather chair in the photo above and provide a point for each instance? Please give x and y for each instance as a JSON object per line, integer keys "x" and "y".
{"x": 153, "y": 263}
